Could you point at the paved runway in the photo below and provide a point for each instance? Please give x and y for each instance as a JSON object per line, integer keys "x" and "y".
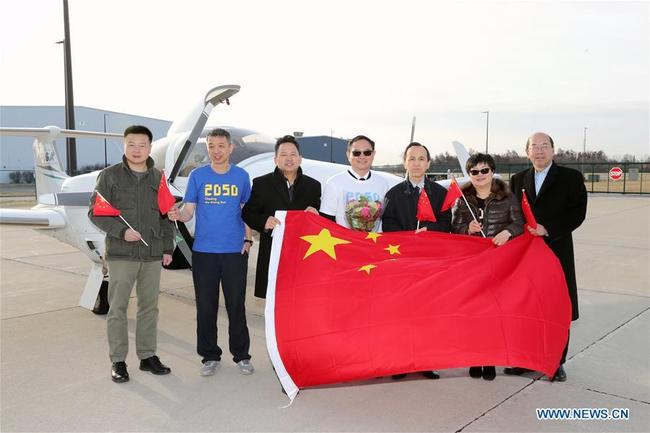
{"x": 55, "y": 373}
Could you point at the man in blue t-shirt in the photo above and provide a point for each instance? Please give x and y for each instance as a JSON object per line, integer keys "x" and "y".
{"x": 216, "y": 193}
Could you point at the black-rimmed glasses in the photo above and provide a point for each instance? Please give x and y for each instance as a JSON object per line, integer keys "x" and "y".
{"x": 359, "y": 152}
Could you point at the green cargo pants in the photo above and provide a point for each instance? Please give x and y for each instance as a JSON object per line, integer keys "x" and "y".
{"x": 123, "y": 274}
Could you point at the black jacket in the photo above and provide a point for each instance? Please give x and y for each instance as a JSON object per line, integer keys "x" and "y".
{"x": 401, "y": 204}
{"x": 270, "y": 193}
{"x": 560, "y": 207}
{"x": 502, "y": 212}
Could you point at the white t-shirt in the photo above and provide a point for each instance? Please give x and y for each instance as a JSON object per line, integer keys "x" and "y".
{"x": 356, "y": 204}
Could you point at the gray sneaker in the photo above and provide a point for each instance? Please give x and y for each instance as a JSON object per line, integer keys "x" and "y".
{"x": 245, "y": 366}
{"x": 209, "y": 368}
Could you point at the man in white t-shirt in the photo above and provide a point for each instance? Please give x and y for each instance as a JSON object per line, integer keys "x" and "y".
{"x": 354, "y": 198}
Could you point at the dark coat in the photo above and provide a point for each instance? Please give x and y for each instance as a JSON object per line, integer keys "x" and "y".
{"x": 502, "y": 212}
{"x": 270, "y": 193}
{"x": 560, "y": 207}
{"x": 137, "y": 201}
{"x": 401, "y": 203}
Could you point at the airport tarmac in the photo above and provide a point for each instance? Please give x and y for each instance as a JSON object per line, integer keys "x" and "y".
{"x": 55, "y": 372}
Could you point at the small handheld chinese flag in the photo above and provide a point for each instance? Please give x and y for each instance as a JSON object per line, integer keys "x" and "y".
{"x": 165, "y": 198}
{"x": 453, "y": 193}
{"x": 103, "y": 208}
{"x": 425, "y": 212}
{"x": 527, "y": 211}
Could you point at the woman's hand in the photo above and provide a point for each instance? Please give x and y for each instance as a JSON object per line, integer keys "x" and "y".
{"x": 501, "y": 238}
{"x": 474, "y": 227}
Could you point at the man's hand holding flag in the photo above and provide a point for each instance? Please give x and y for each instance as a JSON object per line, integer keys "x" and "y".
{"x": 102, "y": 207}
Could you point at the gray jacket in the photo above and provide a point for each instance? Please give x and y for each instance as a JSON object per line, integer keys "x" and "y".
{"x": 137, "y": 200}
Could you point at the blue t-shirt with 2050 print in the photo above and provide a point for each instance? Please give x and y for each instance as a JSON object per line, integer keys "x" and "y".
{"x": 218, "y": 227}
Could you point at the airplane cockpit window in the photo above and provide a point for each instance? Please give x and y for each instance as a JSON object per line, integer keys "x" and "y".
{"x": 197, "y": 157}
{"x": 247, "y": 143}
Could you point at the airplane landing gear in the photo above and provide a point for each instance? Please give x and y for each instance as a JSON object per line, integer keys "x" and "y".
{"x": 101, "y": 305}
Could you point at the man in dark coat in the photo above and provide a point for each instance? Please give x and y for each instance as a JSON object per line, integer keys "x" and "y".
{"x": 401, "y": 203}
{"x": 558, "y": 198}
{"x": 286, "y": 188}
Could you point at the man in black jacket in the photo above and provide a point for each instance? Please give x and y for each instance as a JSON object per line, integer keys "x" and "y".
{"x": 286, "y": 188}
{"x": 401, "y": 203}
{"x": 558, "y": 198}
{"x": 401, "y": 200}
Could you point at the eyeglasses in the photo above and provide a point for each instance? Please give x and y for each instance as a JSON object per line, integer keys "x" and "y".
{"x": 543, "y": 146}
{"x": 485, "y": 170}
{"x": 359, "y": 152}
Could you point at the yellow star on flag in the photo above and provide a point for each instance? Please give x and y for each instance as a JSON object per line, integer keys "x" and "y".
{"x": 367, "y": 268}
{"x": 323, "y": 241}
{"x": 393, "y": 249}
{"x": 373, "y": 236}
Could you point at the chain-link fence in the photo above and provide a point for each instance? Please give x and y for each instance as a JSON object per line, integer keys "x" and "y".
{"x": 610, "y": 177}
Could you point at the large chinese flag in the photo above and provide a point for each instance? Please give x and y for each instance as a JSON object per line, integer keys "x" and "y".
{"x": 345, "y": 305}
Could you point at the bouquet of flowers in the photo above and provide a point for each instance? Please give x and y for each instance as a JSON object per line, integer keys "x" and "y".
{"x": 361, "y": 214}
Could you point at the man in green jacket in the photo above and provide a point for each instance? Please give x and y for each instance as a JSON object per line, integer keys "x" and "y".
{"x": 134, "y": 253}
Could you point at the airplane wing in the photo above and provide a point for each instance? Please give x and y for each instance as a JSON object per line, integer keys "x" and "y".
{"x": 44, "y": 218}
{"x": 53, "y": 132}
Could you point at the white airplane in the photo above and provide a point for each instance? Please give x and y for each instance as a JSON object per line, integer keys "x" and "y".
{"x": 63, "y": 200}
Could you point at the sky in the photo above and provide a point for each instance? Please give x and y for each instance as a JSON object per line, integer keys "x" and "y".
{"x": 351, "y": 67}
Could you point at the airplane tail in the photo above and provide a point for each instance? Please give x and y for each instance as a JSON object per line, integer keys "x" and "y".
{"x": 462, "y": 154}
{"x": 48, "y": 170}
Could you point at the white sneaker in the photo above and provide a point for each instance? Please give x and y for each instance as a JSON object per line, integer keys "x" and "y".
{"x": 209, "y": 368}
{"x": 245, "y": 366}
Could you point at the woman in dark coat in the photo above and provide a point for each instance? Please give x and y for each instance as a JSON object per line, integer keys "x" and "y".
{"x": 494, "y": 213}
{"x": 286, "y": 188}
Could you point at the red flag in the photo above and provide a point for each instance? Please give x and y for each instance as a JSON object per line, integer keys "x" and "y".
{"x": 103, "y": 208}
{"x": 165, "y": 198}
{"x": 425, "y": 212}
{"x": 343, "y": 305}
{"x": 527, "y": 211}
{"x": 453, "y": 193}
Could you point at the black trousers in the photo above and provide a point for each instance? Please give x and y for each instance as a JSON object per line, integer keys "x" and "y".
{"x": 208, "y": 271}
{"x": 566, "y": 349}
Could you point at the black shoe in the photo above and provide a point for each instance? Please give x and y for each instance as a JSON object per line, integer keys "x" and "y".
{"x": 489, "y": 372}
{"x": 119, "y": 373}
{"x": 516, "y": 371}
{"x": 560, "y": 375}
{"x": 476, "y": 372}
{"x": 154, "y": 365}
{"x": 429, "y": 374}
{"x": 398, "y": 376}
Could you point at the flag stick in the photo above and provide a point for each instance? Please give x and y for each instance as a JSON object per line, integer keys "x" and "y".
{"x": 125, "y": 222}
{"x": 470, "y": 211}
{"x": 121, "y": 217}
